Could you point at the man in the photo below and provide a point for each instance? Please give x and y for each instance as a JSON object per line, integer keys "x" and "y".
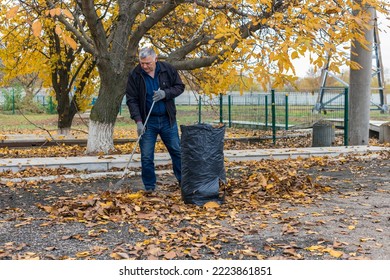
{"x": 159, "y": 82}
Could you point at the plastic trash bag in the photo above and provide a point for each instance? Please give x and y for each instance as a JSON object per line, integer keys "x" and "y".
{"x": 202, "y": 163}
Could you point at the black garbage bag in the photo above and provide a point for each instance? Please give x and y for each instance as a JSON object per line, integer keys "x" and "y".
{"x": 202, "y": 163}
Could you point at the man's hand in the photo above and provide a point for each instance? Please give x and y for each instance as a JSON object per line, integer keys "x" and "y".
{"x": 140, "y": 128}
{"x": 158, "y": 95}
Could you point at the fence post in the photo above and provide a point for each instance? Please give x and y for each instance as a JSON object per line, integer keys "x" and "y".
{"x": 13, "y": 101}
{"x": 346, "y": 112}
{"x": 273, "y": 116}
{"x": 220, "y": 108}
{"x": 51, "y": 104}
{"x": 230, "y": 110}
{"x": 200, "y": 110}
{"x": 266, "y": 112}
{"x": 286, "y": 111}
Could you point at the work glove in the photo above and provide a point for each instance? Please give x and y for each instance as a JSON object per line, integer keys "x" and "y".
{"x": 140, "y": 128}
{"x": 158, "y": 95}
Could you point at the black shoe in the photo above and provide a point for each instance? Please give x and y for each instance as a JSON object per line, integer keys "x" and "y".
{"x": 149, "y": 190}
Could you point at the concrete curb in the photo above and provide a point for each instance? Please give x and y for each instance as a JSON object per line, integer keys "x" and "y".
{"x": 107, "y": 163}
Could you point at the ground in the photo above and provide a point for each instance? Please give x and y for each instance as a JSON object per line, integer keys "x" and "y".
{"x": 318, "y": 208}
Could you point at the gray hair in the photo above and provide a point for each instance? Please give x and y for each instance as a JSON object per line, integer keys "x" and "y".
{"x": 145, "y": 52}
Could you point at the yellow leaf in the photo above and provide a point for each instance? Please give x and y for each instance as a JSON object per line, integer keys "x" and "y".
{"x": 37, "y": 28}
{"x": 351, "y": 227}
{"x": 68, "y": 40}
{"x": 211, "y": 204}
{"x": 10, "y": 184}
{"x": 366, "y": 239}
{"x": 52, "y": 12}
{"x": 218, "y": 36}
{"x": 58, "y": 30}
{"x": 134, "y": 195}
{"x": 83, "y": 254}
{"x": 315, "y": 248}
{"x": 327, "y": 189}
{"x": 106, "y": 205}
{"x": 55, "y": 12}
{"x": 269, "y": 186}
{"x": 119, "y": 256}
{"x": 12, "y": 12}
{"x": 67, "y": 13}
{"x": 333, "y": 253}
{"x": 294, "y": 55}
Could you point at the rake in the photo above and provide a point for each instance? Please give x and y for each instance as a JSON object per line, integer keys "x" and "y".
{"x": 126, "y": 171}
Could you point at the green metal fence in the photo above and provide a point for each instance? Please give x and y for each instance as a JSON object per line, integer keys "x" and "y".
{"x": 269, "y": 111}
{"x": 11, "y": 101}
{"x": 274, "y": 110}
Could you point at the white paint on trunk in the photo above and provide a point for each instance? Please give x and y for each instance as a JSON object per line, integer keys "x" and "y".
{"x": 100, "y": 137}
{"x": 63, "y": 131}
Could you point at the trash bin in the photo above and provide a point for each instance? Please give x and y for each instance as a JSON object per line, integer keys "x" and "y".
{"x": 323, "y": 134}
{"x": 202, "y": 163}
{"x": 384, "y": 133}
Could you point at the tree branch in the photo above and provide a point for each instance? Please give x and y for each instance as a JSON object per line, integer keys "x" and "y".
{"x": 81, "y": 36}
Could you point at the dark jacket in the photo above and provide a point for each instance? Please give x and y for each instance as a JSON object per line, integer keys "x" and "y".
{"x": 169, "y": 81}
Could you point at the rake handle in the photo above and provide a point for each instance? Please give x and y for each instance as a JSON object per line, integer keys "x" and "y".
{"x": 138, "y": 139}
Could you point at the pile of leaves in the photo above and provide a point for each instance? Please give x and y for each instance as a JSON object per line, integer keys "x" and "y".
{"x": 169, "y": 229}
{"x": 258, "y": 197}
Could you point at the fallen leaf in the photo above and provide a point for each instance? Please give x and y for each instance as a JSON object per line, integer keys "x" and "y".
{"x": 170, "y": 255}
{"x": 211, "y": 204}
{"x": 83, "y": 254}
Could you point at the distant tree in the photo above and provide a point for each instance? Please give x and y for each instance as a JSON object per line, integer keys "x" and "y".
{"x": 39, "y": 53}
{"x": 311, "y": 82}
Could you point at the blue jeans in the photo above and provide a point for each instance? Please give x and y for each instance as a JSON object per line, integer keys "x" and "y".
{"x": 159, "y": 125}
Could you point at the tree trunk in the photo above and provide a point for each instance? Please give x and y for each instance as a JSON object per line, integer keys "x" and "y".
{"x": 360, "y": 90}
{"x": 104, "y": 112}
{"x": 66, "y": 111}
{"x": 65, "y": 117}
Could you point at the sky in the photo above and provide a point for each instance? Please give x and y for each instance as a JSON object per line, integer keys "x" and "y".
{"x": 302, "y": 65}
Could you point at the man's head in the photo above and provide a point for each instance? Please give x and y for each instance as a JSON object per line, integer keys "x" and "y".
{"x": 148, "y": 59}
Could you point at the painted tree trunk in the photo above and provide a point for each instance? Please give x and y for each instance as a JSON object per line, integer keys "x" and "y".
{"x": 104, "y": 113}
{"x": 360, "y": 91}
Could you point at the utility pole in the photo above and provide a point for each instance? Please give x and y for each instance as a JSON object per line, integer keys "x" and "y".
{"x": 360, "y": 87}
{"x": 379, "y": 70}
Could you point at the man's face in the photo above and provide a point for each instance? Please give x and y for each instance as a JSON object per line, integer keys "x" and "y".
{"x": 148, "y": 64}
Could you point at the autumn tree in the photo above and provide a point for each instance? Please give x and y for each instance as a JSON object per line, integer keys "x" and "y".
{"x": 39, "y": 52}
{"x": 18, "y": 70}
{"x": 209, "y": 41}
